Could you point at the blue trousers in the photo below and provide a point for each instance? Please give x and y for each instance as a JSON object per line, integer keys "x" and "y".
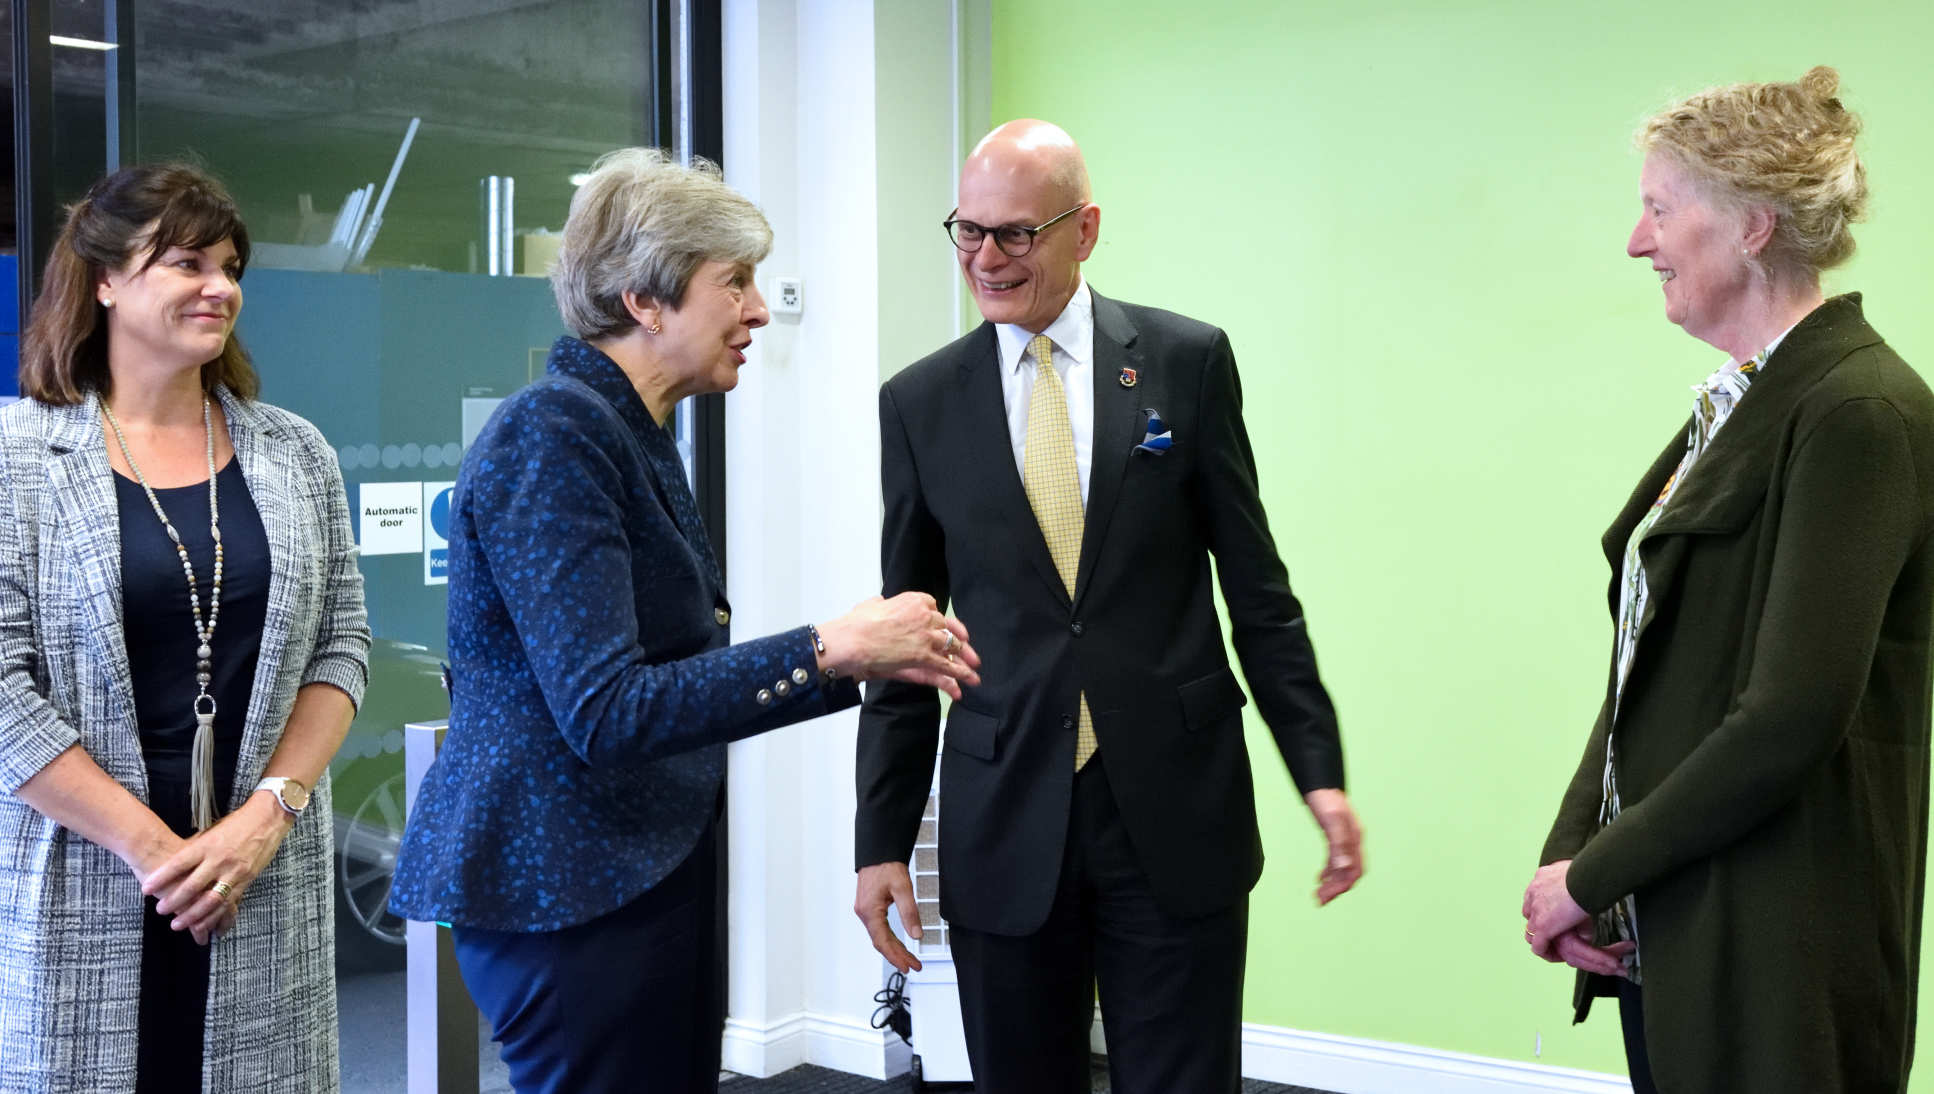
{"x": 628, "y": 1003}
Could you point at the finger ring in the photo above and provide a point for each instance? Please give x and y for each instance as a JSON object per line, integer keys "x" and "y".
{"x": 952, "y": 641}
{"x": 221, "y": 889}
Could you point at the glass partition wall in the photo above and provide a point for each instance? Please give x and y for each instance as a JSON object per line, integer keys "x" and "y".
{"x": 404, "y": 167}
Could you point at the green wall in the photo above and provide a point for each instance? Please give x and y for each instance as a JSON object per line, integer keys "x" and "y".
{"x": 1410, "y": 217}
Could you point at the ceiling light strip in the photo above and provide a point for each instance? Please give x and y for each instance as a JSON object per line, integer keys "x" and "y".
{"x": 82, "y": 43}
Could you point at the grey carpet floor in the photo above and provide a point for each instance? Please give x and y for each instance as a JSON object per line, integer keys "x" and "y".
{"x": 371, "y": 1010}
{"x": 818, "y": 1080}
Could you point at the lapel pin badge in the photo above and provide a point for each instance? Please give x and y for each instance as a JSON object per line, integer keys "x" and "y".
{"x": 1127, "y": 377}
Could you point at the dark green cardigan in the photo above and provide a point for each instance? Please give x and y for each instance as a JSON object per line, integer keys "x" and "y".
{"x": 1773, "y": 746}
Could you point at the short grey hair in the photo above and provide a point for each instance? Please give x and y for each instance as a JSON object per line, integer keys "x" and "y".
{"x": 644, "y": 223}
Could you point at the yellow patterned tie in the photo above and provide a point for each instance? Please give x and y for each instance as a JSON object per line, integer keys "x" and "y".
{"x": 1054, "y": 491}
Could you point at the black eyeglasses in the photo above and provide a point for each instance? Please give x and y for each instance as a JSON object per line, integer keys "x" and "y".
{"x": 1014, "y": 240}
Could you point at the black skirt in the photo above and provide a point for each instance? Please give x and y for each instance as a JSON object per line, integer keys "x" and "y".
{"x": 174, "y": 969}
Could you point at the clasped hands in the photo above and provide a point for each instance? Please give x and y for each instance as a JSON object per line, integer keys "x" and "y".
{"x": 201, "y": 880}
{"x": 1557, "y": 929}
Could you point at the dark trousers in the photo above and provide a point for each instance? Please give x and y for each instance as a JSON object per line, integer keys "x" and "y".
{"x": 629, "y": 1003}
{"x": 1631, "y": 1016}
{"x": 1170, "y": 989}
{"x": 174, "y": 973}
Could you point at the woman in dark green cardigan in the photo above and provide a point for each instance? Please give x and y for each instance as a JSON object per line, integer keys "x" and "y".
{"x": 1739, "y": 857}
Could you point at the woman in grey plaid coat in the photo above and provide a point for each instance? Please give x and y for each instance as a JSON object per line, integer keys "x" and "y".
{"x": 182, "y": 645}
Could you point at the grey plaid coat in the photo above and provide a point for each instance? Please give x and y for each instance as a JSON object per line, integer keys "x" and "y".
{"x": 70, "y": 912}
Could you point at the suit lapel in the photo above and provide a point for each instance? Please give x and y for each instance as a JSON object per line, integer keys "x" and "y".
{"x": 265, "y": 458}
{"x": 668, "y": 469}
{"x": 1118, "y": 425}
{"x": 1728, "y": 484}
{"x": 1636, "y": 506}
{"x": 87, "y": 523}
{"x": 588, "y": 365}
{"x": 984, "y": 416}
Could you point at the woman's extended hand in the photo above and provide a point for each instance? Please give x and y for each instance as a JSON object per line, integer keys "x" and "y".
{"x": 232, "y": 853}
{"x": 905, "y": 638}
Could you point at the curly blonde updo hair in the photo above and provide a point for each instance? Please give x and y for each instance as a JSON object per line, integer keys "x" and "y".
{"x": 1785, "y": 145}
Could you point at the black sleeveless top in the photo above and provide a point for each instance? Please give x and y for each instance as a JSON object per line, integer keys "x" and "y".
{"x": 160, "y": 628}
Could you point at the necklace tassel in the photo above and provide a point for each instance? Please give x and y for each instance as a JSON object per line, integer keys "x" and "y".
{"x": 201, "y": 780}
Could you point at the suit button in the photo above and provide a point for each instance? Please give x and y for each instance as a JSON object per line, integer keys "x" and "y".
{"x": 1075, "y": 629}
{"x": 1067, "y": 721}
{"x": 722, "y": 616}
{"x": 782, "y": 689}
{"x": 764, "y": 697}
{"x": 799, "y": 677}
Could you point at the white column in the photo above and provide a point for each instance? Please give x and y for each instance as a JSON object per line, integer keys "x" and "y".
{"x": 802, "y": 475}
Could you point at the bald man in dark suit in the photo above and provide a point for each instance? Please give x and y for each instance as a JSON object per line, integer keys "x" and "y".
{"x": 1062, "y": 476}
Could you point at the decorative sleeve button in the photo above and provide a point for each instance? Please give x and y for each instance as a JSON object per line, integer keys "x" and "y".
{"x": 722, "y": 616}
{"x": 782, "y": 689}
{"x": 800, "y": 676}
{"x": 764, "y": 697}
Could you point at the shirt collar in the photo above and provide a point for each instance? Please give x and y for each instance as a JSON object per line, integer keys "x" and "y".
{"x": 1762, "y": 356}
{"x": 1715, "y": 397}
{"x": 1072, "y": 332}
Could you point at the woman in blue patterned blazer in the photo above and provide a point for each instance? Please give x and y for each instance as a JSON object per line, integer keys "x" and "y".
{"x": 566, "y": 829}
{"x": 182, "y": 645}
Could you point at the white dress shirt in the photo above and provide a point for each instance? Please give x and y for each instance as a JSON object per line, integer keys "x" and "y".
{"x": 1073, "y": 335}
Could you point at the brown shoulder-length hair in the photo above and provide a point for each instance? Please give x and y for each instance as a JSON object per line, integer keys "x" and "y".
{"x": 133, "y": 215}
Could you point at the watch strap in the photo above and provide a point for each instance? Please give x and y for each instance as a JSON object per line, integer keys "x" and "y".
{"x": 275, "y": 784}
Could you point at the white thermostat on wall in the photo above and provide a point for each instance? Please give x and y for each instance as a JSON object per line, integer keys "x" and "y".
{"x": 786, "y": 296}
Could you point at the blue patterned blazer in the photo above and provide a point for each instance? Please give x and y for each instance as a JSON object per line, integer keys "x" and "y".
{"x": 593, "y": 687}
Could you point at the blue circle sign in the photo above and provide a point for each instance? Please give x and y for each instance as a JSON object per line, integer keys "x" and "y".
{"x": 440, "y": 513}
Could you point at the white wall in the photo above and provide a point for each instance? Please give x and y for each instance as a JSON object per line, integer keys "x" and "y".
{"x": 840, "y": 122}
{"x": 915, "y": 124}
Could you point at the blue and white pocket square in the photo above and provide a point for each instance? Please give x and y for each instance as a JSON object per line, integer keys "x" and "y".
{"x": 1158, "y": 439}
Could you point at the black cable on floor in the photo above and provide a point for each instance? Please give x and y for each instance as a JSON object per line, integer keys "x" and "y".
{"x": 892, "y": 1010}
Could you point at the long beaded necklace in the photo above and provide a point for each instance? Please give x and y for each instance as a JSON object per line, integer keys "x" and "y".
{"x": 201, "y": 781}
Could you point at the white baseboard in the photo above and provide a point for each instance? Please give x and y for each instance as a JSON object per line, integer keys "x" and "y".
{"x": 1326, "y": 1061}
{"x": 842, "y": 1044}
{"x": 1353, "y": 1065}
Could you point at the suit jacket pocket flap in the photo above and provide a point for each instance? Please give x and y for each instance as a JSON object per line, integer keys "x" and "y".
{"x": 1211, "y": 699}
{"x": 972, "y": 732}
